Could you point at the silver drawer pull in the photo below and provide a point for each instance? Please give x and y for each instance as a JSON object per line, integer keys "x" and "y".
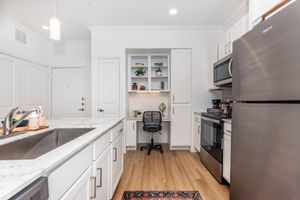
{"x": 93, "y": 188}
{"x": 120, "y": 131}
{"x": 99, "y": 170}
{"x": 115, "y": 154}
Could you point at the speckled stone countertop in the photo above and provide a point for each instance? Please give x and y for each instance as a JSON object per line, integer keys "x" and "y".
{"x": 17, "y": 174}
{"x": 227, "y": 121}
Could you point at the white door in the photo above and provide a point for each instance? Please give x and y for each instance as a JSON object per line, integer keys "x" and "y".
{"x": 131, "y": 131}
{"x": 117, "y": 162}
{"x": 180, "y": 125}
{"x": 68, "y": 99}
{"x": 9, "y": 85}
{"x": 108, "y": 88}
{"x": 223, "y": 48}
{"x": 35, "y": 87}
{"x": 181, "y": 73}
{"x": 101, "y": 170}
{"x": 82, "y": 189}
{"x": 227, "y": 157}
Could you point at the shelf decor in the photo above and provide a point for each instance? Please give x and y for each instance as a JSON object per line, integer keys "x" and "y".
{"x": 140, "y": 72}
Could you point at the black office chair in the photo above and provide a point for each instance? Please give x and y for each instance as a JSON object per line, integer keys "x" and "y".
{"x": 152, "y": 124}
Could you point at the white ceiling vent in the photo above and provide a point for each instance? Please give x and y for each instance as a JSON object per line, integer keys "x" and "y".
{"x": 20, "y": 36}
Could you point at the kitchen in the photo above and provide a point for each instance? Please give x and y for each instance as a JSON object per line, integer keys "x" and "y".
{"x": 83, "y": 85}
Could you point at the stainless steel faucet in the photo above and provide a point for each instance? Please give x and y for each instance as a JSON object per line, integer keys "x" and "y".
{"x": 8, "y": 125}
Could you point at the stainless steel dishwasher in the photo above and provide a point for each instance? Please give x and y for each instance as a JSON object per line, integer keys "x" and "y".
{"x": 38, "y": 190}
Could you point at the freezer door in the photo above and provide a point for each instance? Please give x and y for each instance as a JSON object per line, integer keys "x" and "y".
{"x": 265, "y": 152}
{"x": 266, "y": 61}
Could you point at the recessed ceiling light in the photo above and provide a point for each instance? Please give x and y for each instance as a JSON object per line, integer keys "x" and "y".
{"x": 173, "y": 11}
{"x": 45, "y": 27}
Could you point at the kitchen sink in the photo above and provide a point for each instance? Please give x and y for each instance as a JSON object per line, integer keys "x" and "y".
{"x": 35, "y": 146}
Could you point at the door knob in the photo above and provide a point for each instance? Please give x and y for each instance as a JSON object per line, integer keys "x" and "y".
{"x": 100, "y": 110}
{"x": 81, "y": 109}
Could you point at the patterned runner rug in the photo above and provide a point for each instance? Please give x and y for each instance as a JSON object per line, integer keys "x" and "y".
{"x": 163, "y": 195}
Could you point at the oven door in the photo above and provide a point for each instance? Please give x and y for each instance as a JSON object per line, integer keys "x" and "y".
{"x": 212, "y": 137}
{"x": 223, "y": 72}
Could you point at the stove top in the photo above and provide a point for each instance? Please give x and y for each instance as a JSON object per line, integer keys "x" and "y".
{"x": 216, "y": 116}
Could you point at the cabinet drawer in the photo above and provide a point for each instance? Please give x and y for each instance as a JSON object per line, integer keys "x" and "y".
{"x": 101, "y": 144}
{"x": 66, "y": 175}
{"x": 227, "y": 128}
{"x": 117, "y": 131}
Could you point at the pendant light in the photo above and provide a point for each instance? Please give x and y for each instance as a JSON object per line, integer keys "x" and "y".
{"x": 55, "y": 31}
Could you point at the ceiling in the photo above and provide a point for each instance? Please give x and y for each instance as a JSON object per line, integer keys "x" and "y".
{"x": 77, "y": 15}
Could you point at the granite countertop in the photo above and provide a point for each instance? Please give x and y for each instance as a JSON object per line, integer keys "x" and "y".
{"x": 17, "y": 174}
{"x": 227, "y": 121}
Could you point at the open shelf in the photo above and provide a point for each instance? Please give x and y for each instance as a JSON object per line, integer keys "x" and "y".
{"x": 156, "y": 77}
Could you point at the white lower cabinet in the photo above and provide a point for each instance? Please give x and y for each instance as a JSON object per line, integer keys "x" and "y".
{"x": 82, "y": 188}
{"x": 197, "y": 132}
{"x": 131, "y": 131}
{"x": 92, "y": 173}
{"x": 180, "y": 126}
{"x": 227, "y": 156}
{"x": 117, "y": 163}
{"x": 101, "y": 171}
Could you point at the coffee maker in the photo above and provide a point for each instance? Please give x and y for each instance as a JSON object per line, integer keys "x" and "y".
{"x": 216, "y": 103}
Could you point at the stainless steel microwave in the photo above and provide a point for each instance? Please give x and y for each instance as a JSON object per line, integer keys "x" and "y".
{"x": 223, "y": 72}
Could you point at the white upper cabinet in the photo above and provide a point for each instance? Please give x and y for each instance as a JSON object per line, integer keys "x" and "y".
{"x": 223, "y": 48}
{"x": 257, "y": 8}
{"x": 237, "y": 31}
{"x": 212, "y": 59}
{"x": 181, "y": 73}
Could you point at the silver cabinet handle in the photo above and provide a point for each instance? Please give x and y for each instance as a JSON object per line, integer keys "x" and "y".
{"x": 133, "y": 126}
{"x": 121, "y": 130}
{"x": 173, "y": 111}
{"x": 199, "y": 129}
{"x": 99, "y": 171}
{"x": 93, "y": 188}
{"x": 173, "y": 98}
{"x": 115, "y": 154}
{"x": 81, "y": 109}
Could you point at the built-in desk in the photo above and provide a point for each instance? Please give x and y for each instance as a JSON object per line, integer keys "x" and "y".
{"x": 135, "y": 134}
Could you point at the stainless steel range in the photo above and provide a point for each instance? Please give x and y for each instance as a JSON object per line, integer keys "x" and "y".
{"x": 212, "y": 142}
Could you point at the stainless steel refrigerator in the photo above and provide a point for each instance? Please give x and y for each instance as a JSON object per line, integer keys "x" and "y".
{"x": 266, "y": 115}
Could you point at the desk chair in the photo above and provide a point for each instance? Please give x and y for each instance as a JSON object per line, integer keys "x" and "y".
{"x": 152, "y": 124}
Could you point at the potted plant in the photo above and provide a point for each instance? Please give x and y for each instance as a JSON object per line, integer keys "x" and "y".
{"x": 140, "y": 72}
{"x": 158, "y": 71}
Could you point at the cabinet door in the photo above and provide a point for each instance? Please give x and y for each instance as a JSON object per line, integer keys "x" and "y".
{"x": 9, "y": 85}
{"x": 101, "y": 171}
{"x": 227, "y": 157}
{"x": 82, "y": 189}
{"x": 35, "y": 85}
{"x": 238, "y": 30}
{"x": 257, "y": 8}
{"x": 212, "y": 59}
{"x": 117, "y": 163}
{"x": 131, "y": 133}
{"x": 180, "y": 126}
{"x": 223, "y": 47}
{"x": 181, "y": 76}
{"x": 197, "y": 132}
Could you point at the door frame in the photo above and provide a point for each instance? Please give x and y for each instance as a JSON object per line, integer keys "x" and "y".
{"x": 94, "y": 82}
{"x": 51, "y": 85}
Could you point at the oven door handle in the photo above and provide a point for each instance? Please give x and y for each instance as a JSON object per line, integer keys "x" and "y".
{"x": 211, "y": 120}
{"x": 230, "y": 67}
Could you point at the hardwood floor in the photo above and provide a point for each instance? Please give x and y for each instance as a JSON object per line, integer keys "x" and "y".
{"x": 171, "y": 171}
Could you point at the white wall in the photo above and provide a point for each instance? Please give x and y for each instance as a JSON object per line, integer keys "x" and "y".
{"x": 36, "y": 48}
{"x": 74, "y": 54}
{"x": 112, "y": 42}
